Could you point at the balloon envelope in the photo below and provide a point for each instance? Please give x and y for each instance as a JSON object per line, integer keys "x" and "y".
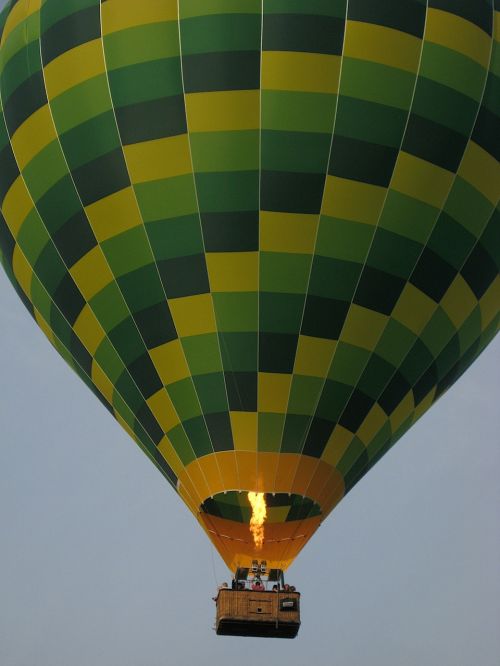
{"x": 263, "y": 233}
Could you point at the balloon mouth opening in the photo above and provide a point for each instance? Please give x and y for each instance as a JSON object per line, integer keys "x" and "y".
{"x": 235, "y": 506}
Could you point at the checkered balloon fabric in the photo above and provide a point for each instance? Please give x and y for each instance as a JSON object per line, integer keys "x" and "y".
{"x": 265, "y": 233}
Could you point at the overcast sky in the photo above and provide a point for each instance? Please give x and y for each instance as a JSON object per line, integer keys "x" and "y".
{"x": 102, "y": 565}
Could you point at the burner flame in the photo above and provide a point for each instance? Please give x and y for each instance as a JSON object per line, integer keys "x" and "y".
{"x": 259, "y": 514}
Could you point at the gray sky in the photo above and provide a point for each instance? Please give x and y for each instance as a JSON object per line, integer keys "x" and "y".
{"x": 102, "y": 565}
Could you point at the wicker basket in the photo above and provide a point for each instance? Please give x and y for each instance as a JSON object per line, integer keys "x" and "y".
{"x": 249, "y": 613}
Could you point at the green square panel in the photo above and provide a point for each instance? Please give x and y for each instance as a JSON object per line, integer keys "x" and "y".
{"x": 202, "y": 353}
{"x": 108, "y": 360}
{"x": 79, "y": 103}
{"x": 198, "y": 435}
{"x": 145, "y": 81}
{"x": 109, "y": 306}
{"x": 280, "y": 313}
{"x": 236, "y": 312}
{"x": 333, "y": 399}
{"x": 90, "y": 139}
{"x": 394, "y": 342}
{"x": 408, "y": 217}
{"x": 211, "y": 390}
{"x": 175, "y": 237}
{"x": 33, "y": 236}
{"x": 393, "y": 253}
{"x": 181, "y": 444}
{"x": 165, "y": 199}
{"x": 270, "y": 431}
{"x": 304, "y": 394}
{"x": 184, "y": 398}
{"x": 438, "y": 332}
{"x": 293, "y": 111}
{"x": 343, "y": 239}
{"x": 225, "y": 151}
{"x": 128, "y": 251}
{"x": 284, "y": 272}
{"x": 239, "y": 351}
{"x": 141, "y": 288}
{"x": 127, "y": 340}
{"x": 302, "y": 152}
{"x": 348, "y": 363}
{"x": 334, "y": 278}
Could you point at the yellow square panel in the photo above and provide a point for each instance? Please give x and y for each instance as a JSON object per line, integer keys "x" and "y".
{"x": 300, "y": 71}
{"x": 314, "y": 356}
{"x": 168, "y": 452}
{"x": 277, "y": 514}
{"x": 73, "y": 67}
{"x": 158, "y": 159}
{"x": 122, "y": 14}
{"x": 193, "y": 315}
{"x": 233, "y": 271}
{"x": 17, "y": 205}
{"x": 337, "y": 445}
{"x": 482, "y": 171}
{"x": 489, "y": 303}
{"x": 19, "y": 13}
{"x": 273, "y": 392}
{"x": 88, "y": 329}
{"x": 47, "y": 331}
{"x": 91, "y": 273}
{"x": 288, "y": 232}
{"x": 373, "y": 423}
{"x": 114, "y": 214}
{"x": 170, "y": 362}
{"x": 363, "y": 327}
{"x": 33, "y": 135}
{"x": 244, "y": 427}
{"x": 221, "y": 111}
{"x": 421, "y": 180}
{"x": 352, "y": 200}
{"x": 455, "y": 32}
{"x": 22, "y": 270}
{"x": 102, "y": 382}
{"x": 376, "y": 43}
{"x": 414, "y": 309}
{"x": 163, "y": 410}
{"x": 402, "y": 411}
{"x": 459, "y": 301}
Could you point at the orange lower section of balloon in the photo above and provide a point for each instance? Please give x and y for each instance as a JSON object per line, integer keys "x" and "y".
{"x": 282, "y": 541}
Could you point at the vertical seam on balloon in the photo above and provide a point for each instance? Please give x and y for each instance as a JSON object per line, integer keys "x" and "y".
{"x": 204, "y": 249}
{"x": 98, "y": 244}
{"x": 132, "y": 186}
{"x": 257, "y": 452}
{"x": 367, "y": 466}
{"x": 335, "y": 114}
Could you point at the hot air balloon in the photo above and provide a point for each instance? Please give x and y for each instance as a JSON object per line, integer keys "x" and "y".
{"x": 264, "y": 233}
